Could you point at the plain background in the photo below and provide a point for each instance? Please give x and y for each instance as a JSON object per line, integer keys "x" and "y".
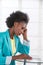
{"x": 34, "y": 9}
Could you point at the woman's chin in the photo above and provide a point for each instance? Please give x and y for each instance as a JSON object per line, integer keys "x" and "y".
{"x": 18, "y": 34}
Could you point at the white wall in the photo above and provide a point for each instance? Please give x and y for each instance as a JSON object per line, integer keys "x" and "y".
{"x": 34, "y": 9}
{"x": 42, "y": 31}
{"x": 31, "y": 7}
{"x": 7, "y": 7}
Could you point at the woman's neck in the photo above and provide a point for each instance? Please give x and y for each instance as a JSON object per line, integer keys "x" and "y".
{"x": 11, "y": 33}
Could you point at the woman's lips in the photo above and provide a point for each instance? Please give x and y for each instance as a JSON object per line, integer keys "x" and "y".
{"x": 18, "y": 34}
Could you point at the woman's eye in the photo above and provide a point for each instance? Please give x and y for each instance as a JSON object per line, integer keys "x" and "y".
{"x": 22, "y": 28}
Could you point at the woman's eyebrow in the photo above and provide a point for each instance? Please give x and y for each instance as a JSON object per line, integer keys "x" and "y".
{"x": 23, "y": 27}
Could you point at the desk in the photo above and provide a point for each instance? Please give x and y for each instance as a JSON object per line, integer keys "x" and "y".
{"x": 34, "y": 61}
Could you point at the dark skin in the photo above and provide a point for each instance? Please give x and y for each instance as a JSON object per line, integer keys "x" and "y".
{"x": 18, "y": 29}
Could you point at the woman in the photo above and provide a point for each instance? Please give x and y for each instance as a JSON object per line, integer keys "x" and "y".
{"x": 9, "y": 41}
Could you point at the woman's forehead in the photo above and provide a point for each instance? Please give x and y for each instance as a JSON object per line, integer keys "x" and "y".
{"x": 22, "y": 24}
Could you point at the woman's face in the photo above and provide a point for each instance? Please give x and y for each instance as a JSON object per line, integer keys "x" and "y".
{"x": 19, "y": 28}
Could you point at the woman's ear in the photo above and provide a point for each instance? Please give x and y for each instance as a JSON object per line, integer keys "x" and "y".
{"x": 15, "y": 23}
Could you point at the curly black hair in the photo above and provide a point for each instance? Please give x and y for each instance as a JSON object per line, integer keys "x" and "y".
{"x": 17, "y": 16}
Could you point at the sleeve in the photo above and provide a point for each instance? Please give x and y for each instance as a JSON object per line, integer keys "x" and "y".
{"x": 3, "y": 59}
{"x": 23, "y": 48}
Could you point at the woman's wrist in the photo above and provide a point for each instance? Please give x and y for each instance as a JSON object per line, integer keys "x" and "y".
{"x": 25, "y": 38}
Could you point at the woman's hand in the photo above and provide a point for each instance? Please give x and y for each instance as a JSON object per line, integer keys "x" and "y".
{"x": 22, "y": 56}
{"x": 25, "y": 34}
